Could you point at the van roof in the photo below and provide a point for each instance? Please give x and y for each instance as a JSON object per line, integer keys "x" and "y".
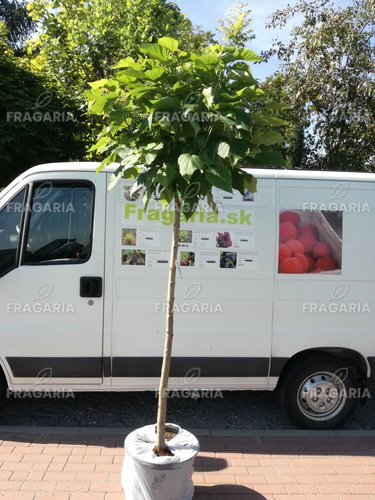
{"x": 257, "y": 172}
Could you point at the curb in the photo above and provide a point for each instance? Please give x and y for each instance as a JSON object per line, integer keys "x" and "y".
{"x": 109, "y": 431}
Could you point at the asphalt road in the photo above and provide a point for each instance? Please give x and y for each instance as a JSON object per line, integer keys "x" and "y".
{"x": 227, "y": 410}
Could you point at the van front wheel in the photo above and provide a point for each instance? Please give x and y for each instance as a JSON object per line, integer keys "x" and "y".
{"x": 319, "y": 394}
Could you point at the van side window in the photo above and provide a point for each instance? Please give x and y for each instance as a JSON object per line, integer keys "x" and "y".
{"x": 60, "y": 223}
{"x": 10, "y": 230}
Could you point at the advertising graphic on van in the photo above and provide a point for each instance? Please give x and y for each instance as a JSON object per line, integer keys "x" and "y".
{"x": 134, "y": 213}
{"x": 203, "y": 241}
{"x": 310, "y": 242}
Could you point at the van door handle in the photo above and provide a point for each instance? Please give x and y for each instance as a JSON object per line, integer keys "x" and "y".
{"x": 91, "y": 286}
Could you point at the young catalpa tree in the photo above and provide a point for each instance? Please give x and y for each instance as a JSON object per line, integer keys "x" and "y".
{"x": 181, "y": 123}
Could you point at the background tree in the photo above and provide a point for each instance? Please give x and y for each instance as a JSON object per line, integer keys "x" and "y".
{"x": 79, "y": 41}
{"x": 36, "y": 125}
{"x": 76, "y": 42}
{"x": 294, "y": 148}
{"x": 18, "y": 25}
{"x": 181, "y": 123}
{"x": 327, "y": 76}
{"x": 235, "y": 28}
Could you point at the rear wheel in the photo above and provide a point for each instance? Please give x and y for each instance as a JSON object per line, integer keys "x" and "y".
{"x": 3, "y": 388}
{"x": 317, "y": 394}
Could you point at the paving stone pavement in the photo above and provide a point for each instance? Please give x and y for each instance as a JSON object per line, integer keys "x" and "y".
{"x": 85, "y": 463}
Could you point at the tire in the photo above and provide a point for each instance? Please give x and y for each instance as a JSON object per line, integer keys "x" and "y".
{"x": 3, "y": 388}
{"x": 317, "y": 393}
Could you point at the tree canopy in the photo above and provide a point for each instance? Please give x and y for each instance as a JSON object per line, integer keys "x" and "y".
{"x": 186, "y": 117}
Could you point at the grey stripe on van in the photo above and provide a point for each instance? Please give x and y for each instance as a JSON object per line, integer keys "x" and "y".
{"x": 84, "y": 367}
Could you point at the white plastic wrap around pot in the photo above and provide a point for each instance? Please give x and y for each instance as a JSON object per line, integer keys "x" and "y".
{"x": 148, "y": 477}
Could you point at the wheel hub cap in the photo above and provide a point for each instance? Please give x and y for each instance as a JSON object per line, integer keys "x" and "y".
{"x": 321, "y": 396}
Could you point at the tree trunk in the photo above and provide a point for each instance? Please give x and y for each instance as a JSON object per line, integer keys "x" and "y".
{"x": 163, "y": 387}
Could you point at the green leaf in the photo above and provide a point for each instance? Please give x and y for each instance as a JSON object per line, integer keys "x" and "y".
{"x": 211, "y": 201}
{"x": 168, "y": 43}
{"x": 205, "y": 61}
{"x": 189, "y": 207}
{"x": 150, "y": 119}
{"x": 93, "y": 94}
{"x": 131, "y": 160}
{"x": 98, "y": 107}
{"x": 167, "y": 175}
{"x": 166, "y": 196}
{"x": 132, "y": 73}
{"x": 267, "y": 137}
{"x": 275, "y": 105}
{"x": 250, "y": 182}
{"x": 223, "y": 149}
{"x": 225, "y": 120}
{"x": 123, "y": 77}
{"x": 243, "y": 181}
{"x": 153, "y": 146}
{"x": 142, "y": 90}
{"x": 150, "y": 157}
{"x": 166, "y": 104}
{"x": 220, "y": 177}
{"x": 248, "y": 92}
{"x": 155, "y": 51}
{"x": 102, "y": 142}
{"x": 114, "y": 180}
{"x": 242, "y": 76}
{"x": 268, "y": 119}
{"x": 124, "y": 63}
{"x": 195, "y": 127}
{"x": 208, "y": 97}
{"x": 155, "y": 74}
{"x": 267, "y": 159}
{"x": 189, "y": 164}
{"x": 248, "y": 55}
{"x": 130, "y": 173}
{"x": 98, "y": 83}
{"x": 238, "y": 180}
{"x": 107, "y": 161}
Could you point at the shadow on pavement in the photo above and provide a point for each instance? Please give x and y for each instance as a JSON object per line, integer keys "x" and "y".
{"x": 226, "y": 491}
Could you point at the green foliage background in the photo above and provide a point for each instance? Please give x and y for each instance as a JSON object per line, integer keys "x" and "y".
{"x": 325, "y": 75}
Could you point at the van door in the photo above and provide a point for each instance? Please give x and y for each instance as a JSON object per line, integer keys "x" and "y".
{"x": 51, "y": 280}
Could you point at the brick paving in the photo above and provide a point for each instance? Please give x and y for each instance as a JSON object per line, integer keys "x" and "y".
{"x": 71, "y": 464}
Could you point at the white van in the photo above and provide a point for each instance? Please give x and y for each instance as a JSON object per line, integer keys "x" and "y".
{"x": 277, "y": 289}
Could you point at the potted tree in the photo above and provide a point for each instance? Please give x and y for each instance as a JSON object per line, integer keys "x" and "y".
{"x": 180, "y": 123}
